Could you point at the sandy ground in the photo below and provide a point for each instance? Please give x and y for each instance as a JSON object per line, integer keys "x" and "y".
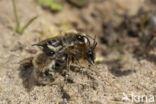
{"x": 105, "y": 83}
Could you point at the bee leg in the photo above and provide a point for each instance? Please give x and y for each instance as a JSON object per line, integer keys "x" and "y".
{"x": 67, "y": 67}
{"x": 76, "y": 58}
{"x": 78, "y": 66}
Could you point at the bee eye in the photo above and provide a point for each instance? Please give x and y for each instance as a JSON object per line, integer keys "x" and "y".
{"x": 50, "y": 53}
{"x": 80, "y": 38}
{"x": 90, "y": 52}
{"x": 90, "y": 56}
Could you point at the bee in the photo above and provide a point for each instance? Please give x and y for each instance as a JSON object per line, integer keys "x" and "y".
{"x": 41, "y": 69}
{"x": 57, "y": 54}
{"x": 60, "y": 43}
{"x": 46, "y": 67}
{"x": 43, "y": 62}
{"x": 82, "y": 52}
{"x": 75, "y": 45}
{"x": 87, "y": 52}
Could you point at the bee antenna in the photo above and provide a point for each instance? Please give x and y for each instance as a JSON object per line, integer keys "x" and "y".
{"x": 89, "y": 36}
{"x": 95, "y": 43}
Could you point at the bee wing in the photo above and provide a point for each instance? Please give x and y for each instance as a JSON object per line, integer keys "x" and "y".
{"x": 51, "y": 41}
{"x": 51, "y": 44}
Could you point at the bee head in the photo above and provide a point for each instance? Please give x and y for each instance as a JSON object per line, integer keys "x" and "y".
{"x": 90, "y": 55}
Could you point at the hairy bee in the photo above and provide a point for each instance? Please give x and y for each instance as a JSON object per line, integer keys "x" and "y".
{"x": 79, "y": 53}
{"x": 75, "y": 45}
{"x": 41, "y": 69}
{"x": 46, "y": 67}
{"x": 86, "y": 52}
{"x": 57, "y": 54}
{"x": 43, "y": 62}
{"x": 60, "y": 43}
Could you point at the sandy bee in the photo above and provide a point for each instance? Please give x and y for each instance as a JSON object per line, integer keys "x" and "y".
{"x": 46, "y": 67}
{"x": 75, "y": 45}
{"x": 81, "y": 52}
{"x": 60, "y": 43}
{"x": 43, "y": 62}
{"x": 85, "y": 52}
{"x": 41, "y": 69}
{"x": 57, "y": 54}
